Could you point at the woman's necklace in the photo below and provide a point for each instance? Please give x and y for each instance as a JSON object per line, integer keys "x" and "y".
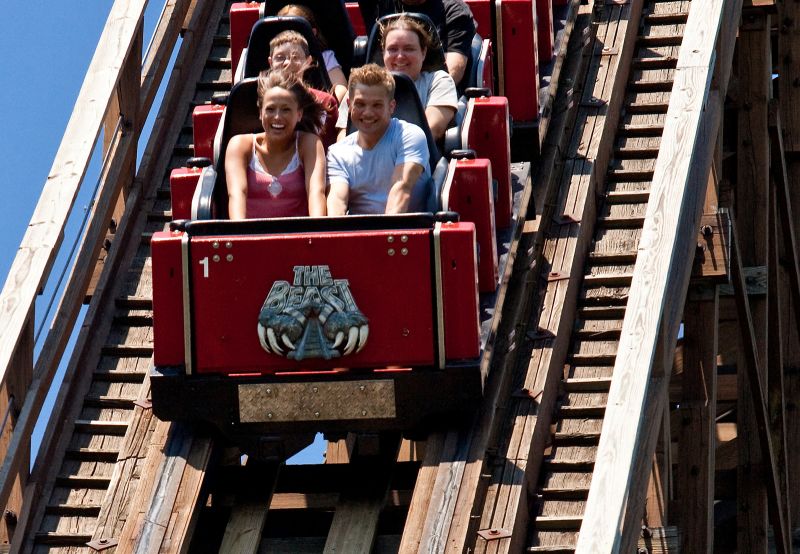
{"x": 274, "y": 188}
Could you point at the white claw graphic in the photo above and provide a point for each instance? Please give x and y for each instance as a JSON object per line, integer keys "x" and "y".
{"x": 272, "y": 342}
{"x": 339, "y": 338}
{"x": 352, "y": 340}
{"x": 262, "y": 338}
{"x": 363, "y": 333}
{"x": 287, "y": 342}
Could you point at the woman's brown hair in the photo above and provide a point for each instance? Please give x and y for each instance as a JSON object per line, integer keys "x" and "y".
{"x": 427, "y": 40}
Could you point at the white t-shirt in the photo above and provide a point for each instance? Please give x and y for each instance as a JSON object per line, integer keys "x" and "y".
{"x": 434, "y": 88}
{"x": 368, "y": 173}
{"x": 330, "y": 60}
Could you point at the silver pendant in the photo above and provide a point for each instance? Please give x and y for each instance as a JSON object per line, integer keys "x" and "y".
{"x": 275, "y": 187}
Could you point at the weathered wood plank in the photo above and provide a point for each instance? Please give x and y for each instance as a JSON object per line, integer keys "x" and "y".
{"x": 660, "y": 279}
{"x": 249, "y": 514}
{"x": 355, "y": 521}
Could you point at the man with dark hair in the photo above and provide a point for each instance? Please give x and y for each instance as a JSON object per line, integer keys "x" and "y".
{"x": 453, "y": 20}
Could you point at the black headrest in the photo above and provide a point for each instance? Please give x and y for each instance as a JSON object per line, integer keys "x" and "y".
{"x": 241, "y": 117}
{"x": 409, "y": 108}
{"x": 434, "y": 57}
{"x": 470, "y": 78}
{"x": 333, "y": 23}
{"x": 268, "y": 28}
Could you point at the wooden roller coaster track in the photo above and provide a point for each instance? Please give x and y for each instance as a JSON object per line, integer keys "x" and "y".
{"x": 633, "y": 399}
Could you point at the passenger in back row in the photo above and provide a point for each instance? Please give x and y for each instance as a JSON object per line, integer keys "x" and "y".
{"x": 332, "y": 65}
{"x": 289, "y": 51}
{"x": 405, "y": 43}
{"x": 453, "y": 20}
{"x": 376, "y": 169}
{"x": 279, "y": 172}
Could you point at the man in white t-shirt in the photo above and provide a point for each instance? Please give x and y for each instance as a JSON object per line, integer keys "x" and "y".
{"x": 383, "y": 167}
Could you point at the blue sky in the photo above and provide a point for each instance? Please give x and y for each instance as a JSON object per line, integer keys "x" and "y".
{"x": 47, "y": 48}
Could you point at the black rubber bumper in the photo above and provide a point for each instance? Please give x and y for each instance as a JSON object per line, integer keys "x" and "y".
{"x": 334, "y": 402}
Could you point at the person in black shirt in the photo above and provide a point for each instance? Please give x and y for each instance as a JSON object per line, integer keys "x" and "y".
{"x": 453, "y": 20}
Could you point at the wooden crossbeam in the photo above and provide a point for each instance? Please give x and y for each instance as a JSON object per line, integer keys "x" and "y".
{"x": 355, "y": 521}
{"x": 249, "y": 514}
{"x": 660, "y": 279}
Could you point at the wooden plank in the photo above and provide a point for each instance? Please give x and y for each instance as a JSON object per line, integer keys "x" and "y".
{"x": 11, "y": 392}
{"x": 752, "y": 200}
{"x": 660, "y": 279}
{"x": 162, "y": 43}
{"x": 697, "y": 435}
{"x": 36, "y": 254}
{"x": 122, "y": 114}
{"x": 249, "y": 514}
{"x": 165, "y": 474}
{"x": 433, "y": 488}
{"x": 355, "y": 521}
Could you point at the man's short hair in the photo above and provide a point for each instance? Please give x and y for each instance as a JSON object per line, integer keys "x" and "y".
{"x": 371, "y": 75}
{"x": 289, "y": 37}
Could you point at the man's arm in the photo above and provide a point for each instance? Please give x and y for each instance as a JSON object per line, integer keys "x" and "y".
{"x": 404, "y": 178}
{"x": 338, "y": 197}
{"x": 439, "y": 117}
{"x": 456, "y": 65}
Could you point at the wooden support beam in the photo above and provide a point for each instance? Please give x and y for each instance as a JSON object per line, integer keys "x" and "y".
{"x": 697, "y": 413}
{"x": 249, "y": 514}
{"x": 750, "y": 351}
{"x": 775, "y": 389}
{"x": 11, "y": 395}
{"x": 122, "y": 114}
{"x": 355, "y": 522}
{"x": 751, "y": 201}
{"x": 789, "y": 96}
{"x": 659, "y": 282}
{"x": 166, "y": 498}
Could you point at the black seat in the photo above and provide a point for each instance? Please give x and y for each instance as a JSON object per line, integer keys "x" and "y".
{"x": 241, "y": 117}
{"x": 268, "y": 28}
{"x": 333, "y": 23}
{"x": 470, "y": 78}
{"x": 434, "y": 57}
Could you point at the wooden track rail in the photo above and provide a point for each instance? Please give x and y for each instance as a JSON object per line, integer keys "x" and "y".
{"x": 581, "y": 438}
